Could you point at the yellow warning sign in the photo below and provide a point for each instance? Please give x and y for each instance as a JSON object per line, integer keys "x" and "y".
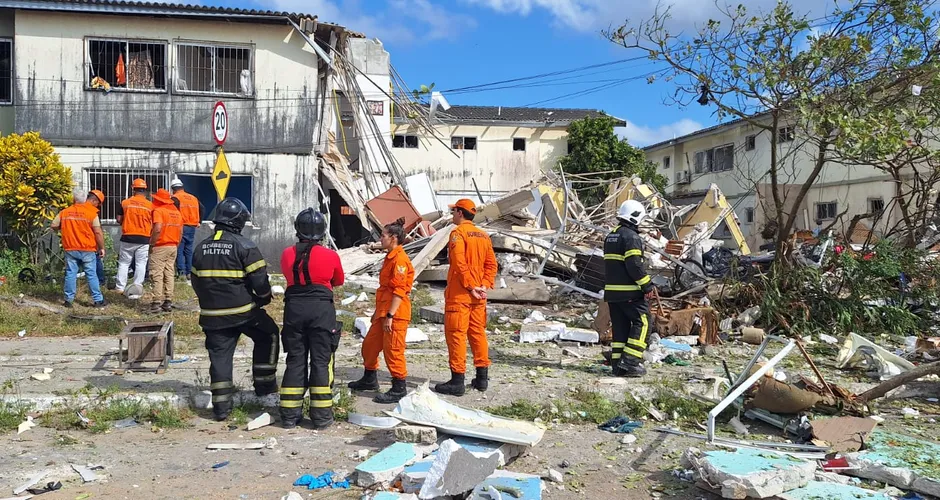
{"x": 221, "y": 175}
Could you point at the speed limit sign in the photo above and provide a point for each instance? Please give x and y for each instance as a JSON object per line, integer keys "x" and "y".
{"x": 219, "y": 123}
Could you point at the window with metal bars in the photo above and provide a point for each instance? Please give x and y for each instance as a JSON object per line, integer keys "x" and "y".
{"x": 6, "y": 71}
{"x": 215, "y": 69}
{"x": 116, "y": 186}
{"x": 126, "y": 65}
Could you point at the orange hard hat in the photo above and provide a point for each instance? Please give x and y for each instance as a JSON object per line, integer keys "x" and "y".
{"x": 139, "y": 184}
{"x": 163, "y": 196}
{"x": 98, "y": 194}
{"x": 465, "y": 204}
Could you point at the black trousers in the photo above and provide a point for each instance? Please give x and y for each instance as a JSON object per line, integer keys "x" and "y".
{"x": 310, "y": 337}
{"x": 221, "y": 345}
{"x": 630, "y": 325}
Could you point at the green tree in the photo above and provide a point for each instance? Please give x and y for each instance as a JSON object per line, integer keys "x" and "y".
{"x": 34, "y": 186}
{"x": 594, "y": 148}
{"x": 827, "y": 82}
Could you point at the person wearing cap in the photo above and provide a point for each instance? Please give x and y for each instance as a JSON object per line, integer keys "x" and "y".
{"x": 390, "y": 321}
{"x": 472, "y": 270}
{"x": 135, "y": 215}
{"x": 95, "y": 198}
{"x": 230, "y": 278}
{"x": 192, "y": 212}
{"x": 83, "y": 243}
{"x": 311, "y": 332}
{"x": 164, "y": 242}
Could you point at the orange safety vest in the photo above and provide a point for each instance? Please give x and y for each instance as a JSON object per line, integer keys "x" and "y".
{"x": 76, "y": 225}
{"x": 172, "y": 222}
{"x": 189, "y": 208}
{"x": 396, "y": 279}
{"x": 472, "y": 263}
{"x": 138, "y": 216}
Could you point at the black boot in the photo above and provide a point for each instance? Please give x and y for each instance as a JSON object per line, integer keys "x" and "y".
{"x": 290, "y": 417}
{"x": 455, "y": 387}
{"x": 618, "y": 371}
{"x": 368, "y": 382}
{"x": 482, "y": 380}
{"x": 220, "y": 412}
{"x": 632, "y": 367}
{"x": 394, "y": 394}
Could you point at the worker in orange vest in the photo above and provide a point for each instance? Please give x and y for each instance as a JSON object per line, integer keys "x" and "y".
{"x": 192, "y": 212}
{"x": 135, "y": 215}
{"x": 391, "y": 318}
{"x": 83, "y": 243}
{"x": 164, "y": 244}
{"x": 472, "y": 270}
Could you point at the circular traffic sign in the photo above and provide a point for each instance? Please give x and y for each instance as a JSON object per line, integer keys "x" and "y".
{"x": 219, "y": 123}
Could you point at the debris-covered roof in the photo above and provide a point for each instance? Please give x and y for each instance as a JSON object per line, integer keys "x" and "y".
{"x": 503, "y": 114}
{"x": 152, "y": 8}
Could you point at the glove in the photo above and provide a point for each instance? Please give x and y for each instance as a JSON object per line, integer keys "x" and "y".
{"x": 263, "y": 301}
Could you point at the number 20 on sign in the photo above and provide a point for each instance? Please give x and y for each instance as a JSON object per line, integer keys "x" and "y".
{"x": 219, "y": 123}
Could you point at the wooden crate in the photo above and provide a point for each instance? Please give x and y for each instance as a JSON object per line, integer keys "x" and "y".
{"x": 147, "y": 343}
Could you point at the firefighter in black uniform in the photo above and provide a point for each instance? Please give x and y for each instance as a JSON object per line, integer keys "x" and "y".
{"x": 627, "y": 291}
{"x": 230, "y": 279}
{"x": 311, "y": 332}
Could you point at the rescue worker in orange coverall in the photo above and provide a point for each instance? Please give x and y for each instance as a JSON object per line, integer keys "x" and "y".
{"x": 472, "y": 270}
{"x": 391, "y": 318}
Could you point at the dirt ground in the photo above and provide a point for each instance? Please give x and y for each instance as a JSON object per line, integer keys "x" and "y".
{"x": 146, "y": 462}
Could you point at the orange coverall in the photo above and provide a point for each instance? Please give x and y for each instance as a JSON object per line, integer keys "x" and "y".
{"x": 396, "y": 279}
{"x": 472, "y": 264}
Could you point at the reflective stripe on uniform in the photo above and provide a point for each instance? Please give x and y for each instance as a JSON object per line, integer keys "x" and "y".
{"x": 326, "y": 403}
{"x": 218, "y": 273}
{"x": 330, "y": 366}
{"x": 645, "y": 329}
{"x": 264, "y": 367}
{"x": 254, "y": 267}
{"x": 218, "y": 236}
{"x": 221, "y": 397}
{"x": 292, "y": 404}
{"x": 221, "y": 385}
{"x": 644, "y": 280}
{"x": 293, "y": 391}
{"x": 615, "y": 355}
{"x": 320, "y": 390}
{"x": 617, "y": 344}
{"x": 266, "y": 378}
{"x": 637, "y": 343}
{"x": 612, "y": 256}
{"x": 622, "y": 288}
{"x": 633, "y": 352}
{"x": 226, "y": 312}
{"x": 633, "y": 253}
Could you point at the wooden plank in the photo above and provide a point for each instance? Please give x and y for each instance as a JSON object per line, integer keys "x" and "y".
{"x": 433, "y": 274}
{"x": 505, "y": 206}
{"x": 437, "y": 243}
{"x": 530, "y": 292}
{"x": 550, "y": 211}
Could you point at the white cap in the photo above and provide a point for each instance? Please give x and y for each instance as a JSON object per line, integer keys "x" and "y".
{"x": 176, "y": 182}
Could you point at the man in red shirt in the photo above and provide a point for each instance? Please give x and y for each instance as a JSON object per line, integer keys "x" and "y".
{"x": 311, "y": 332}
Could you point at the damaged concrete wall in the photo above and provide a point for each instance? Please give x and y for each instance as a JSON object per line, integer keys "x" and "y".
{"x": 53, "y": 94}
{"x": 495, "y": 166}
{"x": 282, "y": 185}
{"x": 371, "y": 58}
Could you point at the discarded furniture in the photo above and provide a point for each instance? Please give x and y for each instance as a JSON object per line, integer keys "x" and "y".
{"x": 146, "y": 343}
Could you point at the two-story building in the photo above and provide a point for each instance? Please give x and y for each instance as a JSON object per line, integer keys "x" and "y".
{"x": 126, "y": 89}
{"x": 736, "y": 156}
{"x": 499, "y": 148}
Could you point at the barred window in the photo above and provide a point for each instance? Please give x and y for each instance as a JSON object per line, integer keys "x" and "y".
{"x": 6, "y": 71}
{"x": 116, "y": 186}
{"x": 126, "y": 65}
{"x": 214, "y": 69}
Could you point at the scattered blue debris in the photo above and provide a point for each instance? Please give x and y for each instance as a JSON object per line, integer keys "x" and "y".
{"x": 220, "y": 465}
{"x": 180, "y": 360}
{"x": 620, "y": 425}
{"x": 322, "y": 481}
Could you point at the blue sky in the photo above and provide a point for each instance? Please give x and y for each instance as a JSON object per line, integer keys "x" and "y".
{"x": 458, "y": 43}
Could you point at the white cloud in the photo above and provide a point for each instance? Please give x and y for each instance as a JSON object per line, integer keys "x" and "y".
{"x": 403, "y": 21}
{"x": 593, "y": 15}
{"x": 641, "y": 135}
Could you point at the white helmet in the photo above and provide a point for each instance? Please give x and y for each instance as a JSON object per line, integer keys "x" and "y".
{"x": 632, "y": 211}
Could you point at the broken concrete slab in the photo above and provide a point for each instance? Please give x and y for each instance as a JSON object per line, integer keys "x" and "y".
{"x": 432, "y": 314}
{"x": 508, "y": 452}
{"x": 753, "y": 473}
{"x": 40, "y": 377}
{"x": 457, "y": 470}
{"x": 362, "y": 325}
{"x": 900, "y": 461}
{"x": 32, "y": 480}
{"x": 235, "y": 446}
{"x": 509, "y": 485}
{"x": 385, "y": 466}
{"x": 580, "y": 335}
{"x": 415, "y": 434}
{"x": 415, "y": 336}
{"x": 554, "y": 476}
{"x": 261, "y": 421}
{"x": 541, "y": 331}
{"x": 434, "y": 274}
{"x": 530, "y": 292}
{"x": 87, "y": 474}
{"x": 390, "y": 495}
{"x": 424, "y": 407}
{"x": 412, "y": 478}
{"x": 816, "y": 490}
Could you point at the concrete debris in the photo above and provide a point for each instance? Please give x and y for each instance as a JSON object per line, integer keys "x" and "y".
{"x": 361, "y": 454}
{"x": 900, "y": 461}
{"x": 32, "y": 481}
{"x": 580, "y": 335}
{"x": 628, "y": 439}
{"x": 541, "y": 331}
{"x": 261, "y": 421}
{"x": 816, "y": 490}
{"x": 456, "y": 470}
{"x": 385, "y": 466}
{"x": 391, "y": 495}
{"x": 235, "y": 446}
{"x": 25, "y": 425}
{"x": 832, "y": 477}
{"x": 910, "y": 412}
{"x": 373, "y": 422}
{"x": 739, "y": 428}
{"x": 749, "y": 316}
{"x": 277, "y": 290}
{"x": 270, "y": 443}
{"x": 41, "y": 377}
{"x": 529, "y": 292}
{"x": 432, "y": 314}
{"x": 348, "y": 300}
{"x": 415, "y": 434}
{"x": 414, "y": 475}
{"x": 828, "y": 339}
{"x": 362, "y": 325}
{"x": 87, "y": 474}
{"x": 752, "y": 473}
{"x": 292, "y": 496}
{"x": 363, "y": 297}
{"x": 505, "y": 485}
{"x": 554, "y": 476}
{"x": 415, "y": 336}
{"x": 534, "y": 316}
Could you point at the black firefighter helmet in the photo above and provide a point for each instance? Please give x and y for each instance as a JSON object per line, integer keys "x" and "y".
{"x": 310, "y": 225}
{"x": 232, "y": 213}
